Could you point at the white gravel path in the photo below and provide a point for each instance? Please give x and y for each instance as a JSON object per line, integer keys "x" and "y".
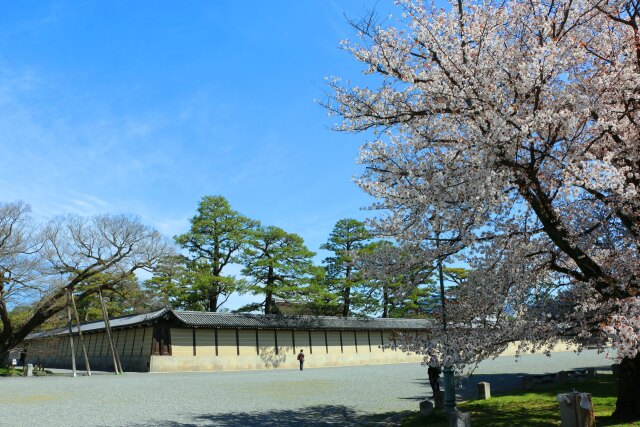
{"x": 327, "y": 396}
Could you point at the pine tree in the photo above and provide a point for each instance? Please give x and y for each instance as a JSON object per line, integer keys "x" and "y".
{"x": 348, "y": 237}
{"x": 279, "y": 265}
{"x": 215, "y": 240}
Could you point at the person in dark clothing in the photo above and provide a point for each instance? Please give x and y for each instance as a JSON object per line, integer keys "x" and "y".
{"x": 434, "y": 373}
{"x": 301, "y": 359}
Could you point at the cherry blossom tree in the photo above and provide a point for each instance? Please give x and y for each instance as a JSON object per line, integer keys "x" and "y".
{"x": 506, "y": 135}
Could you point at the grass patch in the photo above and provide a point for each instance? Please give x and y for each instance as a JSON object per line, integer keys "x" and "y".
{"x": 436, "y": 419}
{"x": 10, "y": 372}
{"x": 17, "y": 372}
{"x": 535, "y": 408}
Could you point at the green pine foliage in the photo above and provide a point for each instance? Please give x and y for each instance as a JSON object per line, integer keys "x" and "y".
{"x": 278, "y": 264}
{"x": 169, "y": 283}
{"x": 401, "y": 283}
{"x": 216, "y": 239}
{"x": 347, "y": 239}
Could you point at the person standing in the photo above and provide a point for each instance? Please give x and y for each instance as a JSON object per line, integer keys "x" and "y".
{"x": 434, "y": 373}
{"x": 301, "y": 359}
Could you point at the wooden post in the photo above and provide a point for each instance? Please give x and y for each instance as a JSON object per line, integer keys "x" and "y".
{"x": 73, "y": 350}
{"x": 84, "y": 349}
{"x": 107, "y": 328}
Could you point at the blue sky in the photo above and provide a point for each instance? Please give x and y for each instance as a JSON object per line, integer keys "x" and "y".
{"x": 145, "y": 107}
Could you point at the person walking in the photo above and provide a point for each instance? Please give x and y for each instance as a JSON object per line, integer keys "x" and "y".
{"x": 434, "y": 373}
{"x": 301, "y": 359}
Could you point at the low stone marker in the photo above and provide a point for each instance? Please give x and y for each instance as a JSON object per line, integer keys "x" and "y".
{"x": 562, "y": 377}
{"x": 484, "y": 390}
{"x": 426, "y": 407}
{"x": 29, "y": 370}
{"x": 459, "y": 419}
{"x": 576, "y": 410}
{"x": 438, "y": 399}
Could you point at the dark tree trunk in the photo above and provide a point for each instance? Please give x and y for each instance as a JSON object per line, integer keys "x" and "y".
{"x": 213, "y": 301}
{"x": 268, "y": 303}
{"x": 347, "y": 301}
{"x": 269, "y": 286}
{"x": 628, "y": 404}
{"x": 385, "y": 303}
{"x": 347, "y": 289}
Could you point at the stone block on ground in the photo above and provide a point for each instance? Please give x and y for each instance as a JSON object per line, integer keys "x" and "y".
{"x": 484, "y": 390}
{"x": 586, "y": 415}
{"x": 459, "y": 419}
{"x": 426, "y": 407}
{"x": 29, "y": 370}
{"x": 576, "y": 410}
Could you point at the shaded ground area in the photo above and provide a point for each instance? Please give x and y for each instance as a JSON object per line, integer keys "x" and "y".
{"x": 325, "y": 415}
{"x": 365, "y": 395}
{"x": 535, "y": 408}
{"x": 505, "y": 373}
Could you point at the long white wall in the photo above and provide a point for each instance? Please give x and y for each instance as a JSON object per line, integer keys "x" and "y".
{"x": 203, "y": 349}
{"x": 268, "y": 349}
{"x": 132, "y": 345}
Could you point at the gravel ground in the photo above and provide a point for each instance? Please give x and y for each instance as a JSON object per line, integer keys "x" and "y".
{"x": 363, "y": 395}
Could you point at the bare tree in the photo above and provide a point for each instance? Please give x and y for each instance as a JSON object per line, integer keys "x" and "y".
{"x": 39, "y": 265}
{"x": 20, "y": 262}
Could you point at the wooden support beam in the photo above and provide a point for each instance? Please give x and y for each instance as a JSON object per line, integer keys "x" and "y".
{"x": 107, "y": 327}
{"x": 71, "y": 348}
{"x": 84, "y": 349}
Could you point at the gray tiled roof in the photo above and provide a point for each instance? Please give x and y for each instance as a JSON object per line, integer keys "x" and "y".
{"x": 118, "y": 322}
{"x": 259, "y": 321}
{"x": 203, "y": 319}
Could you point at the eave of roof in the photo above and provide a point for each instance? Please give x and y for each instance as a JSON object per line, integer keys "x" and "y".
{"x": 117, "y": 322}
{"x": 259, "y": 321}
{"x": 198, "y": 319}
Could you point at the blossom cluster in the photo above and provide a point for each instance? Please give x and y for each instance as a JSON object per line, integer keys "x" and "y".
{"x": 506, "y": 137}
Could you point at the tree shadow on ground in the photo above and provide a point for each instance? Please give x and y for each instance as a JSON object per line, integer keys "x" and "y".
{"x": 500, "y": 383}
{"x": 322, "y": 415}
{"x": 508, "y": 417}
{"x": 466, "y": 388}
